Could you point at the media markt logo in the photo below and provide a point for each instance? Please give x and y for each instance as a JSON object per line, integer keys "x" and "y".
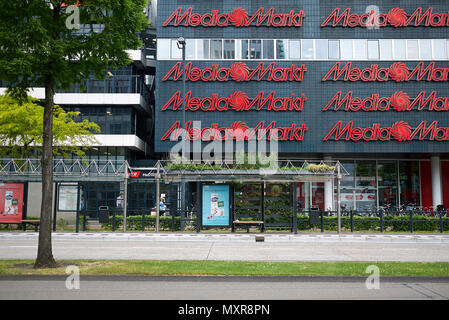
{"x": 396, "y": 17}
{"x": 238, "y": 17}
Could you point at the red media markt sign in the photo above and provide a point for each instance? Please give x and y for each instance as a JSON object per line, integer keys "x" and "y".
{"x": 396, "y": 17}
{"x": 238, "y": 17}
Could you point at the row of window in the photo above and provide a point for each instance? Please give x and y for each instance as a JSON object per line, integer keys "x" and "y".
{"x": 305, "y": 49}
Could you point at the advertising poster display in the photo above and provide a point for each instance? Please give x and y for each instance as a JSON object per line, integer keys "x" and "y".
{"x": 11, "y": 202}
{"x": 216, "y": 205}
{"x": 68, "y": 197}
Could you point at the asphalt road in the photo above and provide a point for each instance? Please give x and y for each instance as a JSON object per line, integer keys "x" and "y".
{"x": 220, "y": 288}
{"x": 311, "y": 247}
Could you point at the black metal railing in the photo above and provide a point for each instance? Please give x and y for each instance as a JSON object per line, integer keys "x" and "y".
{"x": 144, "y": 219}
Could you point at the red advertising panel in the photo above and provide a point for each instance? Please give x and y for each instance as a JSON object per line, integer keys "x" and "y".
{"x": 11, "y": 202}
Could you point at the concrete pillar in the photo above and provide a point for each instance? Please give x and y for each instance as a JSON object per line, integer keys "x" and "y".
{"x": 328, "y": 191}
{"x": 437, "y": 191}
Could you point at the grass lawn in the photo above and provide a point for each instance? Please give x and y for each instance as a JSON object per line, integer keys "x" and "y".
{"x": 241, "y": 268}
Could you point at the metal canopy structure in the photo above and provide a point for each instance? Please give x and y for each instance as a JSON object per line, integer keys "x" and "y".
{"x": 117, "y": 170}
{"x": 282, "y": 171}
{"x": 64, "y": 170}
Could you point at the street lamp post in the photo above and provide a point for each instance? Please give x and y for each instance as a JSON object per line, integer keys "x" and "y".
{"x": 182, "y": 46}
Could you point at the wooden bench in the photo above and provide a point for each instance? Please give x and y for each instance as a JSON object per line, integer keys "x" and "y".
{"x": 23, "y": 223}
{"x": 248, "y": 224}
{"x": 34, "y": 223}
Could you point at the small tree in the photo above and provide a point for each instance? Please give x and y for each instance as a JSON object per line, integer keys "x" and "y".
{"x": 40, "y": 46}
{"x": 21, "y": 129}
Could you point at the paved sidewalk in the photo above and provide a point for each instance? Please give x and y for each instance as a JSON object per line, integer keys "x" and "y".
{"x": 247, "y": 237}
{"x": 204, "y": 246}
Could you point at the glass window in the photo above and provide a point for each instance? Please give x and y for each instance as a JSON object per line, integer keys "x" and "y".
{"x": 447, "y": 48}
{"x": 365, "y": 181}
{"x": 360, "y": 49}
{"x": 346, "y": 49}
{"x": 387, "y": 184}
{"x": 163, "y": 49}
{"x": 268, "y": 49}
{"x": 318, "y": 195}
{"x": 216, "y": 49}
{"x": 229, "y": 49}
{"x": 347, "y": 187}
{"x": 399, "y": 49}
{"x": 439, "y": 49}
{"x": 386, "y": 50}
{"x": 190, "y": 49}
{"x": 321, "y": 49}
{"x": 295, "y": 49}
{"x": 202, "y": 49}
{"x": 281, "y": 49}
{"x": 373, "y": 50}
{"x": 425, "y": 48}
{"x": 244, "y": 51}
{"x": 307, "y": 49}
{"x": 412, "y": 49}
{"x": 334, "y": 49}
{"x": 409, "y": 180}
{"x": 255, "y": 49}
{"x": 176, "y": 53}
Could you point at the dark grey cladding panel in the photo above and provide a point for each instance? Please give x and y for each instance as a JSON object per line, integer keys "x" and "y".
{"x": 318, "y": 92}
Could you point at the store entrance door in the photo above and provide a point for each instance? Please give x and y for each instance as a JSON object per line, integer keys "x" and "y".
{"x": 309, "y": 194}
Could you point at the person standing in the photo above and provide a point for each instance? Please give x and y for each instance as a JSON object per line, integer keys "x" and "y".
{"x": 162, "y": 207}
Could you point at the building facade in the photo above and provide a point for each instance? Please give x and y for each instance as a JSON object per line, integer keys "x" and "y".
{"x": 365, "y": 83}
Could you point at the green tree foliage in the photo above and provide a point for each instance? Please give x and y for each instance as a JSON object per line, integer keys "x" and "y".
{"x": 21, "y": 125}
{"x": 40, "y": 48}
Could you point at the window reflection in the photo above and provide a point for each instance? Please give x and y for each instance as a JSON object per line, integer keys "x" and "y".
{"x": 307, "y": 49}
{"x": 255, "y": 49}
{"x": 410, "y": 183}
{"x": 387, "y": 184}
{"x": 425, "y": 48}
{"x": 373, "y": 49}
{"x": 281, "y": 49}
{"x": 360, "y": 50}
{"x": 176, "y": 53}
{"x": 439, "y": 49}
{"x": 346, "y": 49}
{"x": 202, "y": 49}
{"x": 244, "y": 48}
{"x": 386, "y": 50}
{"x": 399, "y": 49}
{"x": 216, "y": 49}
{"x": 190, "y": 49}
{"x": 321, "y": 49}
{"x": 295, "y": 49}
{"x": 268, "y": 49}
{"x": 412, "y": 49}
{"x": 229, "y": 49}
{"x": 163, "y": 49}
{"x": 334, "y": 49}
{"x": 365, "y": 180}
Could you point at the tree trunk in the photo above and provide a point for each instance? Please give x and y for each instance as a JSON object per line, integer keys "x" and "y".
{"x": 44, "y": 252}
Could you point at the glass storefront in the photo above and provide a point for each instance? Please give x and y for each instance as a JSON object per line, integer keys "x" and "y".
{"x": 383, "y": 183}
